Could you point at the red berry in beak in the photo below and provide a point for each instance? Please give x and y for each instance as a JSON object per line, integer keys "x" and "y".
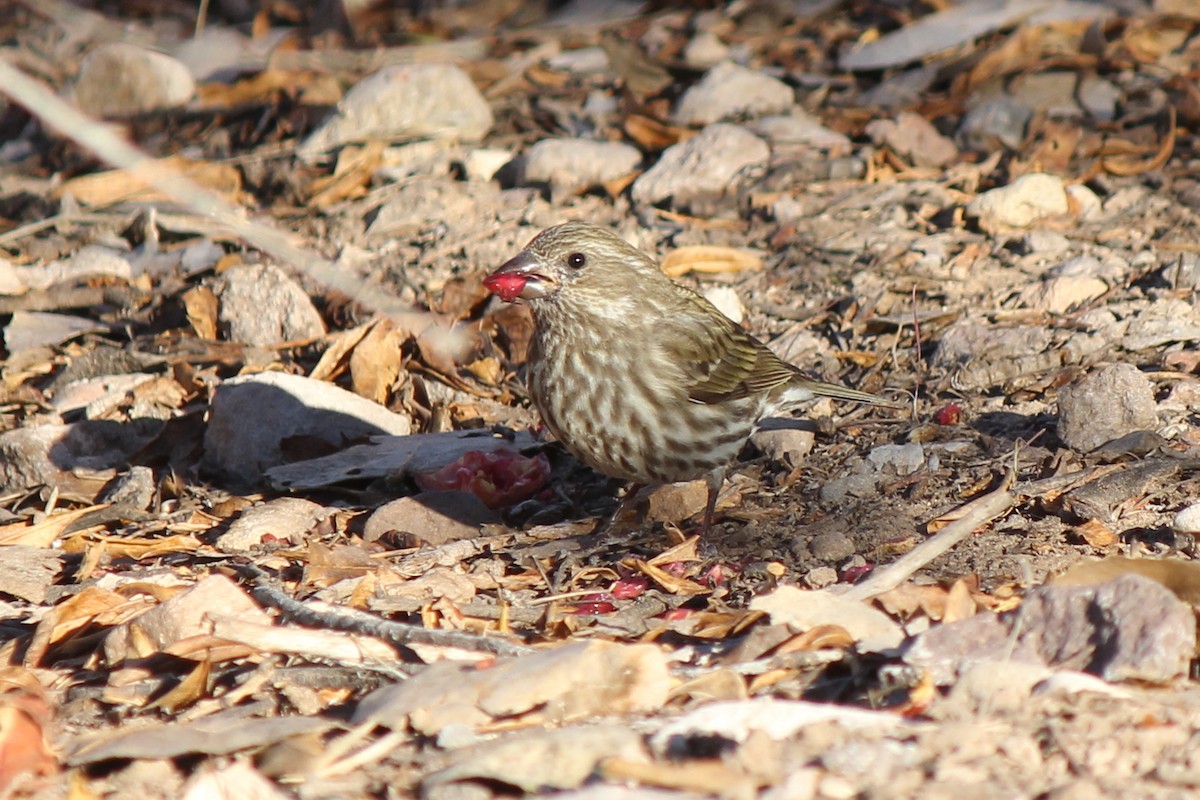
{"x": 506, "y": 285}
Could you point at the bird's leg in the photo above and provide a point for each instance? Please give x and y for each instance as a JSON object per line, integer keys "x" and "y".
{"x": 623, "y": 507}
{"x": 714, "y": 480}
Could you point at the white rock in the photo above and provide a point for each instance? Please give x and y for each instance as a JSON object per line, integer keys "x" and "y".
{"x": 703, "y": 166}
{"x": 401, "y": 102}
{"x": 251, "y": 416}
{"x": 1188, "y": 519}
{"x": 728, "y": 90}
{"x": 118, "y": 79}
{"x": 1087, "y": 204}
{"x": 483, "y": 163}
{"x": 705, "y": 50}
{"x": 569, "y": 165}
{"x": 1022, "y": 203}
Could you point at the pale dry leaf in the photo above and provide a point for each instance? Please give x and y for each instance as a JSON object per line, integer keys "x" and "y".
{"x": 710, "y": 259}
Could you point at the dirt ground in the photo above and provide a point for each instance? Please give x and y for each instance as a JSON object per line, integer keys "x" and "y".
{"x": 213, "y": 585}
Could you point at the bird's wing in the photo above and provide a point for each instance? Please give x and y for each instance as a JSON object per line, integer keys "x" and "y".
{"x": 721, "y": 361}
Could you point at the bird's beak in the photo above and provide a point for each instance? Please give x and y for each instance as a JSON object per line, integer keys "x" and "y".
{"x": 518, "y": 278}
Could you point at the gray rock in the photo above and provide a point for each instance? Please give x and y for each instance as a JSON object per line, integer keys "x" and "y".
{"x": 707, "y": 165}
{"x": 904, "y": 459}
{"x": 859, "y": 484}
{"x": 1106, "y": 405}
{"x": 913, "y": 137}
{"x": 29, "y": 572}
{"x": 784, "y": 441}
{"x": 1050, "y": 92}
{"x": 251, "y": 417}
{"x": 571, "y": 165}
{"x": 729, "y": 91}
{"x": 262, "y": 305}
{"x": 831, "y": 546}
{"x": 799, "y": 128}
{"x": 1131, "y": 628}
{"x": 131, "y": 491}
{"x": 1099, "y": 97}
{"x": 1047, "y": 243}
{"x": 907, "y": 87}
{"x": 1167, "y": 320}
{"x": 997, "y": 121}
{"x": 820, "y": 577}
{"x": 432, "y": 517}
{"x": 285, "y": 518}
{"x": 402, "y": 102}
{"x": 118, "y": 80}
{"x": 79, "y": 459}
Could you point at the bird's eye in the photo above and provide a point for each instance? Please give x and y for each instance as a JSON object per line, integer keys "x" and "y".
{"x": 576, "y": 260}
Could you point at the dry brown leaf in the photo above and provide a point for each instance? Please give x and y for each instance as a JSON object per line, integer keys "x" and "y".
{"x": 1096, "y": 533}
{"x": 653, "y": 135}
{"x": 861, "y": 358}
{"x": 355, "y": 167}
{"x": 544, "y": 76}
{"x": 687, "y": 550}
{"x": 260, "y": 87}
{"x": 187, "y": 692}
{"x": 489, "y": 370}
{"x": 665, "y": 580}
{"x": 959, "y": 602}
{"x": 378, "y": 360}
{"x": 820, "y": 637}
{"x": 132, "y": 547}
{"x": 1130, "y": 166}
{"x": 1020, "y": 51}
{"x": 709, "y": 259}
{"x": 202, "y": 308}
{"x": 43, "y": 534}
{"x": 1057, "y": 143}
{"x": 24, "y": 717}
{"x": 335, "y": 359}
{"x": 92, "y": 605}
{"x": 1151, "y": 40}
{"x": 570, "y": 682}
{"x": 326, "y": 566}
{"x": 907, "y": 599}
{"x": 101, "y": 189}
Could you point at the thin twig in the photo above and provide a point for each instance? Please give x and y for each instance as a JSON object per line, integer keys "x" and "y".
{"x": 326, "y": 615}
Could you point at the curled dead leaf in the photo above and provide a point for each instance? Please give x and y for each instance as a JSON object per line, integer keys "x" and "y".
{"x": 709, "y": 259}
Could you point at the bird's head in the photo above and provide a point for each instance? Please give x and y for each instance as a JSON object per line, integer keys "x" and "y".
{"x": 586, "y": 262}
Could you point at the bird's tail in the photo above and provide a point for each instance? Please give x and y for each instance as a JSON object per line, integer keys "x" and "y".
{"x": 814, "y": 388}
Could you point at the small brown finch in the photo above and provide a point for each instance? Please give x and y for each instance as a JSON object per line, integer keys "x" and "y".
{"x": 639, "y": 377}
